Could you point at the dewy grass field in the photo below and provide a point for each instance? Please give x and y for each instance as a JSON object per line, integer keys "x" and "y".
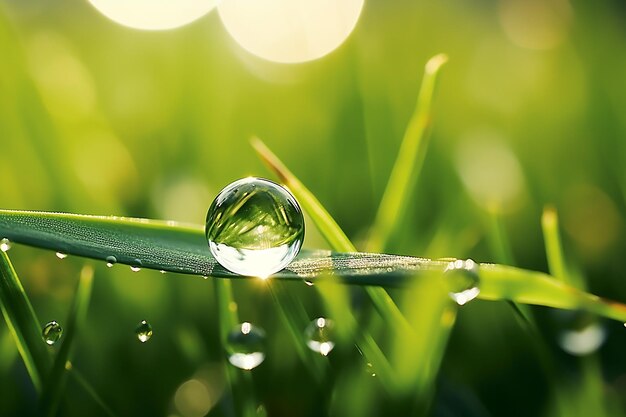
{"x": 506, "y": 149}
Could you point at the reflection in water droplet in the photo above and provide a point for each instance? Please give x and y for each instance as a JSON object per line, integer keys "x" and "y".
{"x": 52, "y": 332}
{"x": 143, "y": 331}
{"x": 309, "y": 283}
{"x": 111, "y": 260}
{"x": 137, "y": 266}
{"x": 245, "y": 346}
{"x": 61, "y": 255}
{"x": 5, "y": 245}
{"x": 462, "y": 279}
{"x": 254, "y": 227}
{"x": 369, "y": 368}
{"x": 162, "y": 271}
{"x": 319, "y": 335}
{"x": 581, "y": 333}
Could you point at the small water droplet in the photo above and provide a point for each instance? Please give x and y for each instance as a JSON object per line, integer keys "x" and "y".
{"x": 136, "y": 267}
{"x": 111, "y": 260}
{"x": 254, "y": 227}
{"x": 369, "y": 369}
{"x": 580, "y": 333}
{"x": 319, "y": 334}
{"x": 308, "y": 282}
{"x": 162, "y": 271}
{"x": 205, "y": 277}
{"x": 245, "y": 346}
{"x": 61, "y": 255}
{"x": 52, "y": 332}
{"x": 143, "y": 331}
{"x": 5, "y": 245}
{"x": 462, "y": 279}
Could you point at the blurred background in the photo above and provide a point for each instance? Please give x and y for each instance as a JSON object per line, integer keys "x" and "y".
{"x": 98, "y": 117}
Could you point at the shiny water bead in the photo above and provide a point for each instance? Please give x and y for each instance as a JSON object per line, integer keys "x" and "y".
{"x": 143, "y": 331}
{"x": 319, "y": 336}
{"x": 254, "y": 227}
{"x": 52, "y": 332}
{"x": 579, "y": 333}
{"x": 111, "y": 260}
{"x": 61, "y": 255}
{"x": 5, "y": 245}
{"x": 245, "y": 346}
{"x": 462, "y": 279}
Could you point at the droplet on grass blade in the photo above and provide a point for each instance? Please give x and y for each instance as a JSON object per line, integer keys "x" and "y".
{"x": 136, "y": 267}
{"x": 319, "y": 336}
{"x": 111, "y": 260}
{"x": 254, "y": 227}
{"x": 5, "y": 245}
{"x": 245, "y": 346}
{"x": 61, "y": 255}
{"x": 462, "y": 279}
{"x": 143, "y": 331}
{"x": 52, "y": 332}
{"x": 580, "y": 333}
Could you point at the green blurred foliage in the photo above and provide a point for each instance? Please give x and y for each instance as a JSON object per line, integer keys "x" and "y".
{"x": 101, "y": 119}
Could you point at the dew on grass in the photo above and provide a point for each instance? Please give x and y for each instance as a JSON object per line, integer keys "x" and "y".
{"x": 254, "y": 227}
{"x": 580, "y": 333}
{"x": 308, "y": 282}
{"x": 462, "y": 280}
{"x": 319, "y": 336}
{"x": 61, "y": 255}
{"x": 52, "y": 332}
{"x": 111, "y": 260}
{"x": 143, "y": 331}
{"x": 245, "y": 346}
{"x": 136, "y": 266}
{"x": 5, "y": 245}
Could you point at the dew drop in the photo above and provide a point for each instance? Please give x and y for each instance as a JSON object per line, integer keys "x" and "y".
{"x": 319, "y": 336}
{"x": 254, "y": 227}
{"x": 61, "y": 255}
{"x": 369, "y": 369}
{"x": 52, "y": 332}
{"x": 5, "y": 245}
{"x": 111, "y": 260}
{"x": 245, "y": 346}
{"x": 136, "y": 267}
{"x": 162, "y": 271}
{"x": 143, "y": 331}
{"x": 308, "y": 282}
{"x": 462, "y": 279}
{"x": 580, "y": 333}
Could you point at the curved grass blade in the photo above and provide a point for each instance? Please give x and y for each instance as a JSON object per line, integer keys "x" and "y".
{"x": 22, "y": 323}
{"x": 182, "y": 248}
{"x": 56, "y": 381}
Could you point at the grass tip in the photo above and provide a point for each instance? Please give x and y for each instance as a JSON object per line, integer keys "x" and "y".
{"x": 436, "y": 62}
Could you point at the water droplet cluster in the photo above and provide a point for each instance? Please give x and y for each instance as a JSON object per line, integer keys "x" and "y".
{"x": 254, "y": 227}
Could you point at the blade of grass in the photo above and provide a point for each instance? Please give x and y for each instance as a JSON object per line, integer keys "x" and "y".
{"x": 409, "y": 161}
{"x": 22, "y": 322}
{"x": 179, "y": 248}
{"x": 55, "y": 383}
{"x": 86, "y": 386}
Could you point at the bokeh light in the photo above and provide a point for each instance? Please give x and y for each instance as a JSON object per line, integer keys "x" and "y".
{"x": 290, "y": 31}
{"x": 153, "y": 14}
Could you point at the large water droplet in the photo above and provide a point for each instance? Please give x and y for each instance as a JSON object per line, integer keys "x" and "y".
{"x": 5, "y": 245}
{"x": 319, "y": 335}
{"x": 61, "y": 255}
{"x": 52, "y": 332}
{"x": 143, "y": 331}
{"x": 111, "y": 260}
{"x": 246, "y": 346}
{"x": 254, "y": 227}
{"x": 462, "y": 279}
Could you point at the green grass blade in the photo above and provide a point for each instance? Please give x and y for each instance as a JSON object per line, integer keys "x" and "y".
{"x": 80, "y": 379}
{"x": 409, "y": 161}
{"x": 55, "y": 383}
{"x": 22, "y": 323}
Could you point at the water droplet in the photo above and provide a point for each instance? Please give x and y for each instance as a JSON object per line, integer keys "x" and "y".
{"x": 52, "y": 332}
{"x": 136, "y": 267}
{"x": 319, "y": 335}
{"x": 162, "y": 271}
{"x": 308, "y": 282}
{"x": 245, "y": 346}
{"x": 143, "y": 331}
{"x": 369, "y": 369}
{"x": 462, "y": 279}
{"x": 254, "y": 227}
{"x": 580, "y": 333}
{"x": 61, "y": 255}
{"x": 5, "y": 245}
{"x": 111, "y": 260}
{"x": 205, "y": 277}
